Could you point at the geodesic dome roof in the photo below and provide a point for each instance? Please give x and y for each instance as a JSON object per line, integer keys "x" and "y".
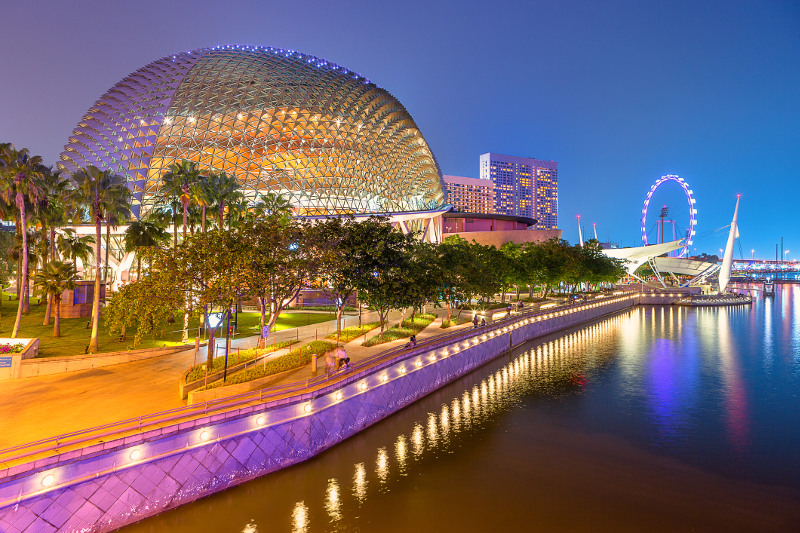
{"x": 281, "y": 121}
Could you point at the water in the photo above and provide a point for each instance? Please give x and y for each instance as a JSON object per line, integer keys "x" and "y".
{"x": 657, "y": 419}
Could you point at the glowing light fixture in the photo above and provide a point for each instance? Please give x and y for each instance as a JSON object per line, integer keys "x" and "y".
{"x": 307, "y": 408}
{"x": 48, "y": 480}
{"x": 363, "y": 385}
{"x": 136, "y": 454}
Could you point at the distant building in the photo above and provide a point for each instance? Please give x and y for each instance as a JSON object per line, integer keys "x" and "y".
{"x": 469, "y": 195}
{"x": 495, "y": 230}
{"x": 523, "y": 187}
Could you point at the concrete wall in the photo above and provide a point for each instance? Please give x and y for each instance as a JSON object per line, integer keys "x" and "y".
{"x": 109, "y": 484}
{"x": 57, "y": 365}
{"x": 11, "y": 363}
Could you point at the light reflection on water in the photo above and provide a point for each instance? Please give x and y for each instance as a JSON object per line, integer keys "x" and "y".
{"x": 703, "y": 386}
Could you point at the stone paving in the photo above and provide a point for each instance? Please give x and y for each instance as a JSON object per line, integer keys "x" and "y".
{"x": 42, "y": 407}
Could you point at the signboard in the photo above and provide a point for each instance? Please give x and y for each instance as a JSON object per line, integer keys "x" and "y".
{"x": 5, "y": 362}
{"x": 265, "y": 331}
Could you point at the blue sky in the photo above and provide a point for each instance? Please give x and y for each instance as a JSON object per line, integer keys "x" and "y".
{"x": 619, "y": 93}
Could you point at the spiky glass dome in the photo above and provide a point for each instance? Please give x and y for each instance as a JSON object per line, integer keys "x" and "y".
{"x": 327, "y": 138}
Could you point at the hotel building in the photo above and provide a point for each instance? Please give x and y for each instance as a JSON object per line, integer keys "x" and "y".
{"x": 523, "y": 186}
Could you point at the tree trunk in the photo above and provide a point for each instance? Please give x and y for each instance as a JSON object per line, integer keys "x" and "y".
{"x": 57, "y": 327}
{"x": 108, "y": 245}
{"x": 19, "y": 260}
{"x": 339, "y": 312}
{"x": 49, "y": 296}
{"x": 138, "y": 267}
{"x": 96, "y": 300}
{"x": 221, "y": 214}
{"x": 204, "y": 219}
{"x": 174, "y": 230}
{"x": 185, "y": 212}
{"x": 24, "y": 256}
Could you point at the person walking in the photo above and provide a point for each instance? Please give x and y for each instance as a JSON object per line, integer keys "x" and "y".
{"x": 475, "y": 321}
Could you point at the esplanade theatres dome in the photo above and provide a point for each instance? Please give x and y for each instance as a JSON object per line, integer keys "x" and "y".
{"x": 328, "y": 139}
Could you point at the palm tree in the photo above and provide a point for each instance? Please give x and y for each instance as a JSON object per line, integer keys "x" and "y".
{"x": 143, "y": 234}
{"x": 178, "y": 183}
{"x": 51, "y": 215}
{"x": 71, "y": 246}
{"x": 100, "y": 192}
{"x": 272, "y": 204}
{"x": 115, "y": 214}
{"x": 166, "y": 215}
{"x": 55, "y": 278}
{"x": 223, "y": 190}
{"x": 21, "y": 174}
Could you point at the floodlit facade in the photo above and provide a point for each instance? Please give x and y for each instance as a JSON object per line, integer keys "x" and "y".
{"x": 326, "y": 138}
{"x": 469, "y": 195}
{"x": 523, "y": 186}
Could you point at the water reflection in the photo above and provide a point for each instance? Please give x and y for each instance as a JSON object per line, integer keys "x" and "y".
{"x": 300, "y": 518}
{"x": 710, "y": 387}
{"x": 333, "y": 503}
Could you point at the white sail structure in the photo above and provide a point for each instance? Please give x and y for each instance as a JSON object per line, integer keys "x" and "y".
{"x": 727, "y": 259}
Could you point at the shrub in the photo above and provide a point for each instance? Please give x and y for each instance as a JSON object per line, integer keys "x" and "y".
{"x": 406, "y": 329}
{"x": 235, "y": 358}
{"x": 353, "y": 332}
{"x": 294, "y": 359}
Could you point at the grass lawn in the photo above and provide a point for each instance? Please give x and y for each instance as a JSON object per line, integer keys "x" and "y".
{"x": 406, "y": 329}
{"x": 454, "y": 321}
{"x": 353, "y": 332}
{"x": 234, "y": 358}
{"x": 75, "y": 336}
{"x": 294, "y": 359}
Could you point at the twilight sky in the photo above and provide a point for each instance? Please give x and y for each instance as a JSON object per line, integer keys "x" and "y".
{"x": 618, "y": 92}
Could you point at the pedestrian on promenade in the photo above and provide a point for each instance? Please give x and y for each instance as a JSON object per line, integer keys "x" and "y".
{"x": 483, "y": 322}
{"x": 475, "y": 321}
{"x": 329, "y": 362}
{"x": 344, "y": 361}
{"x": 411, "y": 342}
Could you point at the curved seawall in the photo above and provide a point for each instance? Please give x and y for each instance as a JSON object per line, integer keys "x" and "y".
{"x": 108, "y": 477}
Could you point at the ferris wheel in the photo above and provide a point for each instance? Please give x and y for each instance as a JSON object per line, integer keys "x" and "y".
{"x": 690, "y": 232}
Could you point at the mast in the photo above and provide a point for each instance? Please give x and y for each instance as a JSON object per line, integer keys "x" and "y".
{"x": 727, "y": 259}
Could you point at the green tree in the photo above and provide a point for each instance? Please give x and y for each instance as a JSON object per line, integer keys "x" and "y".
{"x": 223, "y": 190}
{"x": 456, "y": 274}
{"x": 21, "y": 175}
{"x": 381, "y": 276}
{"x": 55, "y": 278}
{"x": 181, "y": 182}
{"x": 73, "y": 247}
{"x": 272, "y": 204}
{"x": 99, "y": 192}
{"x": 341, "y": 245}
{"x": 276, "y": 258}
{"x": 142, "y": 234}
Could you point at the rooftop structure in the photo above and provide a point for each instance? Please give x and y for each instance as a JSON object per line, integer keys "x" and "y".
{"x": 281, "y": 121}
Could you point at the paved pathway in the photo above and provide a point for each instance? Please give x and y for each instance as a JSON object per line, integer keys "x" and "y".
{"x": 41, "y": 407}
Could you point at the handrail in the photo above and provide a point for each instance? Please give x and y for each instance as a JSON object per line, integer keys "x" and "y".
{"x": 155, "y": 420}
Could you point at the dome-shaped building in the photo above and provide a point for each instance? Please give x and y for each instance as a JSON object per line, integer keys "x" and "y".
{"x": 328, "y": 139}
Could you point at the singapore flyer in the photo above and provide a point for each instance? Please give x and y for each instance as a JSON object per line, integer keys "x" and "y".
{"x": 688, "y": 224}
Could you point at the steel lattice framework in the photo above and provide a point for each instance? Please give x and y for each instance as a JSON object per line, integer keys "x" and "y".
{"x": 281, "y": 121}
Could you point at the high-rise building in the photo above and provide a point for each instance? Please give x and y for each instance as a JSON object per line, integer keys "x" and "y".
{"x": 469, "y": 195}
{"x": 523, "y": 186}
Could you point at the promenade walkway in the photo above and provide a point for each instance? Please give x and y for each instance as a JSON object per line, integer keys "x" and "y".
{"x": 42, "y": 407}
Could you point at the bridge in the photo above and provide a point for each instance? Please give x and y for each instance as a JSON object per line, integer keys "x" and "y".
{"x": 764, "y": 266}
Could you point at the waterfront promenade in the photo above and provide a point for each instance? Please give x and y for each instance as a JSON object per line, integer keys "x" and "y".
{"x": 136, "y": 468}
{"x": 41, "y": 407}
